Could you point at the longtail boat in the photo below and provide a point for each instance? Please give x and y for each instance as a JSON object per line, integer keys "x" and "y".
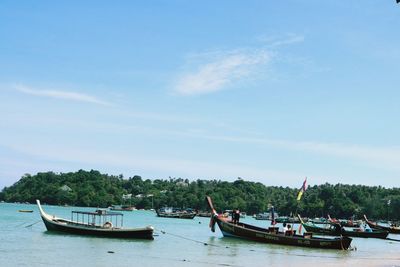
{"x": 346, "y": 223}
{"x": 335, "y": 229}
{"x": 100, "y": 223}
{"x": 391, "y": 229}
{"x": 272, "y": 234}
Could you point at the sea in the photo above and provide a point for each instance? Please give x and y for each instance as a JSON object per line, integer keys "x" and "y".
{"x": 24, "y": 241}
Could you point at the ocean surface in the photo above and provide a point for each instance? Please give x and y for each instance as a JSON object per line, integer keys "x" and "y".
{"x": 24, "y": 241}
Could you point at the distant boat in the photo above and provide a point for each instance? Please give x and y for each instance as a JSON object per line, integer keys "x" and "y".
{"x": 263, "y": 216}
{"x": 335, "y": 229}
{"x": 204, "y": 214}
{"x": 393, "y": 229}
{"x": 286, "y": 219}
{"x": 29, "y": 211}
{"x": 317, "y": 220}
{"x": 99, "y": 223}
{"x": 272, "y": 235}
{"x": 346, "y": 223}
{"x": 267, "y": 216}
{"x": 122, "y": 208}
{"x": 175, "y": 213}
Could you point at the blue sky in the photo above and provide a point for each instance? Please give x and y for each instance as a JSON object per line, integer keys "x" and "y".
{"x": 270, "y": 91}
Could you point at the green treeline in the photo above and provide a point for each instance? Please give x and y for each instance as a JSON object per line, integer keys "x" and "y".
{"x": 91, "y": 188}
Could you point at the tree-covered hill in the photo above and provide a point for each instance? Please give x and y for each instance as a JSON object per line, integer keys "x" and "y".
{"x": 91, "y": 188}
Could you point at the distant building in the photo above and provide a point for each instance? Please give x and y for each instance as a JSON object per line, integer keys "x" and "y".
{"x": 65, "y": 188}
{"x": 182, "y": 184}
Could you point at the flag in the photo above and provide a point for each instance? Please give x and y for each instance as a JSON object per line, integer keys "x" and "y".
{"x": 302, "y": 189}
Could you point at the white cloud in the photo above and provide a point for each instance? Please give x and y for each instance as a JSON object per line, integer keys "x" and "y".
{"x": 72, "y": 96}
{"x": 220, "y": 71}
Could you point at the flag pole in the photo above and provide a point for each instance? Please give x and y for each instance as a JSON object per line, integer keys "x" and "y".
{"x": 299, "y": 195}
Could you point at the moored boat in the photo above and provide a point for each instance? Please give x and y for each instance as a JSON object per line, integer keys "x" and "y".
{"x": 272, "y": 235}
{"x": 122, "y": 208}
{"x": 263, "y": 216}
{"x": 28, "y": 211}
{"x": 99, "y": 223}
{"x": 346, "y": 223}
{"x": 286, "y": 219}
{"x": 393, "y": 229}
{"x": 204, "y": 214}
{"x": 335, "y": 229}
{"x": 175, "y": 213}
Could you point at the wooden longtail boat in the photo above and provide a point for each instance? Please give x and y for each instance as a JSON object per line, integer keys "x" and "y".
{"x": 335, "y": 229}
{"x": 99, "y": 223}
{"x": 375, "y": 225}
{"x": 272, "y": 235}
{"x": 27, "y": 211}
{"x": 175, "y": 214}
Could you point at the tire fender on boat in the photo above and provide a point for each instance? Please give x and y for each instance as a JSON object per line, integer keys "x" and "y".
{"x": 107, "y": 225}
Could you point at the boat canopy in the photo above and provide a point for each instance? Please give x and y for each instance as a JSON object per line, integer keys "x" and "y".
{"x": 100, "y": 217}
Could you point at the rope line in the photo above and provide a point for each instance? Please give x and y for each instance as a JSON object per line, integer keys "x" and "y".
{"x": 278, "y": 253}
{"x": 33, "y": 224}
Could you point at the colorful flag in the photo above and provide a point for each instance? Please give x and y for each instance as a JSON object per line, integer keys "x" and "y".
{"x": 302, "y": 190}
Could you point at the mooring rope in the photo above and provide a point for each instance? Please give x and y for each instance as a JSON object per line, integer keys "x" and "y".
{"x": 33, "y": 224}
{"x": 277, "y": 253}
{"x": 186, "y": 238}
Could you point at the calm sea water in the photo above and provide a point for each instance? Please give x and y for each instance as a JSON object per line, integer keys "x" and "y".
{"x": 181, "y": 245}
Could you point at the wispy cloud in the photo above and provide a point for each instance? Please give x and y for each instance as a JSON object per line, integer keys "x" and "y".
{"x": 387, "y": 157}
{"x": 216, "y": 71}
{"x": 65, "y": 95}
{"x": 288, "y": 39}
{"x": 117, "y": 160}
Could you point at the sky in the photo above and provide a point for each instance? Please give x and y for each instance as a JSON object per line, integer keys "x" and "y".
{"x": 269, "y": 91}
